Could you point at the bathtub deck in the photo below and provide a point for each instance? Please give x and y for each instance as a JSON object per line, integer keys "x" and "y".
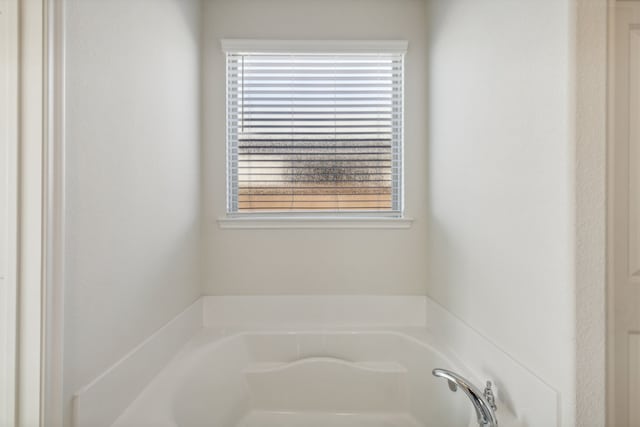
{"x": 321, "y": 419}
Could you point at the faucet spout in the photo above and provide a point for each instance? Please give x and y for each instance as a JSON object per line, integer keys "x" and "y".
{"x": 484, "y": 403}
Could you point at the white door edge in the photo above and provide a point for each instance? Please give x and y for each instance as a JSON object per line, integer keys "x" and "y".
{"x": 8, "y": 205}
{"x": 623, "y": 365}
{"x": 54, "y": 207}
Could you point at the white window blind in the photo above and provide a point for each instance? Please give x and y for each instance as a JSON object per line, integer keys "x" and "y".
{"x": 314, "y": 132}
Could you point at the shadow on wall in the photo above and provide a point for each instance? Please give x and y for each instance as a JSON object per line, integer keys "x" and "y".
{"x": 190, "y": 15}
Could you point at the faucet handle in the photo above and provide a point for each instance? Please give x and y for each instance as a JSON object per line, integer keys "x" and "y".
{"x": 491, "y": 399}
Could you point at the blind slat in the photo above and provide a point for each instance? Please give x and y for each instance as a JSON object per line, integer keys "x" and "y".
{"x": 314, "y": 132}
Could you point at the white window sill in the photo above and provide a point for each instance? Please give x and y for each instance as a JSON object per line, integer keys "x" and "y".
{"x": 312, "y": 223}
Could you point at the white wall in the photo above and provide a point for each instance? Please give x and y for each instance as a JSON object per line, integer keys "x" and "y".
{"x": 132, "y": 184}
{"x": 488, "y": 173}
{"x": 500, "y": 184}
{"x": 314, "y": 261}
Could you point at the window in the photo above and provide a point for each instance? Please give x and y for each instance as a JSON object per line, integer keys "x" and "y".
{"x": 314, "y": 130}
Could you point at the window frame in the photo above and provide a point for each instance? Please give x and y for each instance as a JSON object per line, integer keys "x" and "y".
{"x": 322, "y": 219}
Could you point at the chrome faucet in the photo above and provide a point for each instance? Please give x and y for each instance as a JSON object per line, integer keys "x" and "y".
{"x": 484, "y": 403}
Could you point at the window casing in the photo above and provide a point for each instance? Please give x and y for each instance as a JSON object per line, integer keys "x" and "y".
{"x": 315, "y": 131}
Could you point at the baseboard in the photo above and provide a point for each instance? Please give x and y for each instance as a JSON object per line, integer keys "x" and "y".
{"x": 314, "y": 310}
{"x": 524, "y": 398}
{"x": 99, "y": 403}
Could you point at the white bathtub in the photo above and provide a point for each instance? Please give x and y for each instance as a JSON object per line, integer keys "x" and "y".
{"x": 302, "y": 379}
